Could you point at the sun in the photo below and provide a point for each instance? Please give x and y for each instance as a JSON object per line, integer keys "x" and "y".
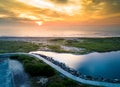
{"x": 39, "y": 23}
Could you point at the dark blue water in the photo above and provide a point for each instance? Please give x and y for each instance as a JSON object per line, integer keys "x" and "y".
{"x": 106, "y": 65}
{"x": 6, "y": 79}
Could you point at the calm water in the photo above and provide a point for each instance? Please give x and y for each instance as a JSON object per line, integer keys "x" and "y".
{"x": 63, "y": 31}
{"x": 95, "y": 64}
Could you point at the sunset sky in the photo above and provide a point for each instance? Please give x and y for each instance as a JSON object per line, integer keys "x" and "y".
{"x": 48, "y": 17}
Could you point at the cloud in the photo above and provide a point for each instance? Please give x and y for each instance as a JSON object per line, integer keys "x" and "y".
{"x": 15, "y": 12}
{"x": 60, "y": 1}
{"x": 112, "y": 6}
{"x": 27, "y": 11}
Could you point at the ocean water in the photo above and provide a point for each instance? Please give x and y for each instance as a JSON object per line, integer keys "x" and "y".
{"x": 63, "y": 31}
{"x": 92, "y": 31}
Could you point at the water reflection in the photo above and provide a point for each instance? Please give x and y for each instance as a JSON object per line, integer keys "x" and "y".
{"x": 69, "y": 59}
{"x": 95, "y": 64}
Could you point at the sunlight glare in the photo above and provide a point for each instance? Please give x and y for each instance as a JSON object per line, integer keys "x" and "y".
{"x": 39, "y": 23}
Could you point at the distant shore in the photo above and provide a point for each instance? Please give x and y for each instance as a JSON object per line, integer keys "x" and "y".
{"x": 75, "y": 45}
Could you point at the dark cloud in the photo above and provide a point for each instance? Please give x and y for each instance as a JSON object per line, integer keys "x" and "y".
{"x": 12, "y": 21}
{"x": 111, "y": 6}
{"x": 60, "y": 1}
{"x": 6, "y": 12}
{"x": 12, "y": 9}
{"x": 103, "y": 8}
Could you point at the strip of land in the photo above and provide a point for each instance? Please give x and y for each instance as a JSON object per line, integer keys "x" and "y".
{"x": 62, "y": 45}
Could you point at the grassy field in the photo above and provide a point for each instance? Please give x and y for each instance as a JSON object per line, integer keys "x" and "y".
{"x": 17, "y": 46}
{"x": 89, "y": 44}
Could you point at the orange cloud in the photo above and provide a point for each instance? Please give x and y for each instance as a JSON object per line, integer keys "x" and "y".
{"x": 81, "y": 11}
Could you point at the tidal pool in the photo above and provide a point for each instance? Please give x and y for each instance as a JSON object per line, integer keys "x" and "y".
{"x": 105, "y": 65}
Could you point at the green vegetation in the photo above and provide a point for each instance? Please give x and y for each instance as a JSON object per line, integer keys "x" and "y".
{"x": 57, "y": 40}
{"x": 62, "y": 82}
{"x": 96, "y": 44}
{"x": 34, "y": 66}
{"x": 57, "y": 81}
{"x": 56, "y": 48}
{"x": 88, "y": 45}
{"x": 17, "y": 46}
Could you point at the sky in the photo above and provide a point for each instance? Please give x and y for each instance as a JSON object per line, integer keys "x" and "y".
{"x": 54, "y": 17}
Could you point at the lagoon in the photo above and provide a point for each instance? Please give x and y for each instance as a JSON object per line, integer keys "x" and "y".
{"x": 98, "y": 65}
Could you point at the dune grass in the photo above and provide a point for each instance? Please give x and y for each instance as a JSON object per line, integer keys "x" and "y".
{"x": 17, "y": 46}
{"x": 88, "y": 44}
{"x": 96, "y": 44}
